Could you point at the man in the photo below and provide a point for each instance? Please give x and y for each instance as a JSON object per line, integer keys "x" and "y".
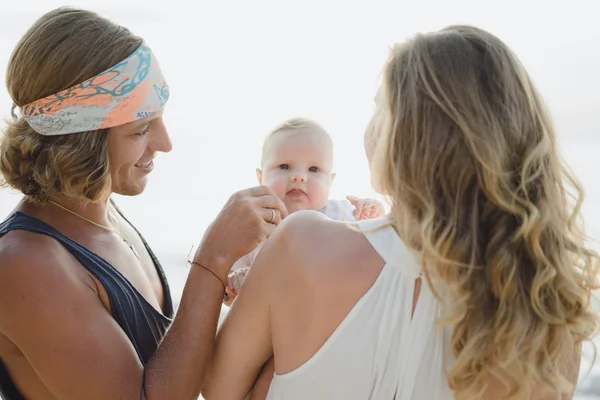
{"x": 85, "y": 311}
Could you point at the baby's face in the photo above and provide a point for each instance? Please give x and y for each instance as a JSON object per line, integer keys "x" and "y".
{"x": 297, "y": 166}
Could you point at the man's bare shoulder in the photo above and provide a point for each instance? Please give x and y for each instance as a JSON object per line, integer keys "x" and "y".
{"x": 20, "y": 249}
{"x": 32, "y": 264}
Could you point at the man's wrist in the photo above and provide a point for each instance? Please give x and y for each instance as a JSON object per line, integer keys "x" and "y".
{"x": 217, "y": 263}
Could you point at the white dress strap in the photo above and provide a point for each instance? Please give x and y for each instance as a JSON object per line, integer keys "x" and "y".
{"x": 383, "y": 238}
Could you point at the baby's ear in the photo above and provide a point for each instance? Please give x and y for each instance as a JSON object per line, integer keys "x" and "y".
{"x": 259, "y": 175}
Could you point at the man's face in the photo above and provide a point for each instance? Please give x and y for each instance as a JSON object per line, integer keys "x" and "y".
{"x": 132, "y": 148}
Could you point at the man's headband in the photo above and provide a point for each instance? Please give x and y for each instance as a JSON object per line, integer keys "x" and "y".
{"x": 128, "y": 91}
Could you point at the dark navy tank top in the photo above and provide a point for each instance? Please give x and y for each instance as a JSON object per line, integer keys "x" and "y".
{"x": 142, "y": 323}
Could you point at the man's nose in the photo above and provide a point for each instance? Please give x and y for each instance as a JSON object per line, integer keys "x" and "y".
{"x": 160, "y": 140}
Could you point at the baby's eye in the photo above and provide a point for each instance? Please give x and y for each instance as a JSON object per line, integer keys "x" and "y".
{"x": 314, "y": 169}
{"x": 284, "y": 166}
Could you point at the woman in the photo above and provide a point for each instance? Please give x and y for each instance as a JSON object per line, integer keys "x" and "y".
{"x": 478, "y": 284}
{"x": 85, "y": 308}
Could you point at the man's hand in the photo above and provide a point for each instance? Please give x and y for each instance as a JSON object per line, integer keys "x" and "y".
{"x": 178, "y": 367}
{"x": 246, "y": 220}
{"x": 366, "y": 208}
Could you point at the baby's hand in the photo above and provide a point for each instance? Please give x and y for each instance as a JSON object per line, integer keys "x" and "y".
{"x": 366, "y": 208}
{"x": 234, "y": 284}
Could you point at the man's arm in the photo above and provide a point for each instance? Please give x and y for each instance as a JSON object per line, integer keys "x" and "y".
{"x": 77, "y": 349}
{"x": 178, "y": 369}
{"x": 75, "y": 346}
{"x": 243, "y": 343}
{"x": 55, "y": 317}
{"x": 181, "y": 360}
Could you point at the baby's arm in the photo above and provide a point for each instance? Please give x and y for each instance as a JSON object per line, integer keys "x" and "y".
{"x": 235, "y": 279}
{"x": 232, "y": 289}
{"x": 234, "y": 284}
{"x": 366, "y": 208}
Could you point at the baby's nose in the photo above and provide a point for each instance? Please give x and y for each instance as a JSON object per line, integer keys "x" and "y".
{"x": 298, "y": 178}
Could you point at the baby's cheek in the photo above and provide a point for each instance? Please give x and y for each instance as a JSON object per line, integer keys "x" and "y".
{"x": 321, "y": 195}
{"x": 277, "y": 186}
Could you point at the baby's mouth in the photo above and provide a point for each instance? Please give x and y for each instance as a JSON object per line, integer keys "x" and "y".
{"x": 296, "y": 192}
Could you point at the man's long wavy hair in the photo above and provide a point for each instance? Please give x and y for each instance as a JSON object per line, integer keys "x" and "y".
{"x": 468, "y": 155}
{"x": 63, "y": 48}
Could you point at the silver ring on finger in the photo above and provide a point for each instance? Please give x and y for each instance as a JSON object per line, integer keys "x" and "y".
{"x": 272, "y": 216}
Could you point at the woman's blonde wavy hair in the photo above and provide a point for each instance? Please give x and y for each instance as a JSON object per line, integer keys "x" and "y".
{"x": 63, "y": 48}
{"x": 467, "y": 153}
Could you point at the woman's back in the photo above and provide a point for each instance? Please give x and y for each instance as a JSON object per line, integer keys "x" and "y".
{"x": 351, "y": 319}
{"x": 381, "y": 349}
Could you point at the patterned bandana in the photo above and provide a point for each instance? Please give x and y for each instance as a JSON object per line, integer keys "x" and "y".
{"x": 128, "y": 91}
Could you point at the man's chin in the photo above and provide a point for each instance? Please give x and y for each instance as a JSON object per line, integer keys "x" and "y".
{"x": 131, "y": 189}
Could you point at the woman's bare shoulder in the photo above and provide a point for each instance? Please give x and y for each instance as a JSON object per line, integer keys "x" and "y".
{"x": 313, "y": 250}
{"x": 315, "y": 238}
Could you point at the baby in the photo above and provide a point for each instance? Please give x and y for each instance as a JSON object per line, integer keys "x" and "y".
{"x": 297, "y": 164}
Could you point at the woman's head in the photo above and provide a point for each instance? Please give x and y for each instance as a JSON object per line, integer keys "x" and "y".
{"x": 462, "y": 144}
{"x": 64, "y": 48}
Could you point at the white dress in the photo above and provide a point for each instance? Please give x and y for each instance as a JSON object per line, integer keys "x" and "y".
{"x": 378, "y": 351}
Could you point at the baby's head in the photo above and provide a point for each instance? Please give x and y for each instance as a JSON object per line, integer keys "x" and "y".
{"x": 297, "y": 163}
